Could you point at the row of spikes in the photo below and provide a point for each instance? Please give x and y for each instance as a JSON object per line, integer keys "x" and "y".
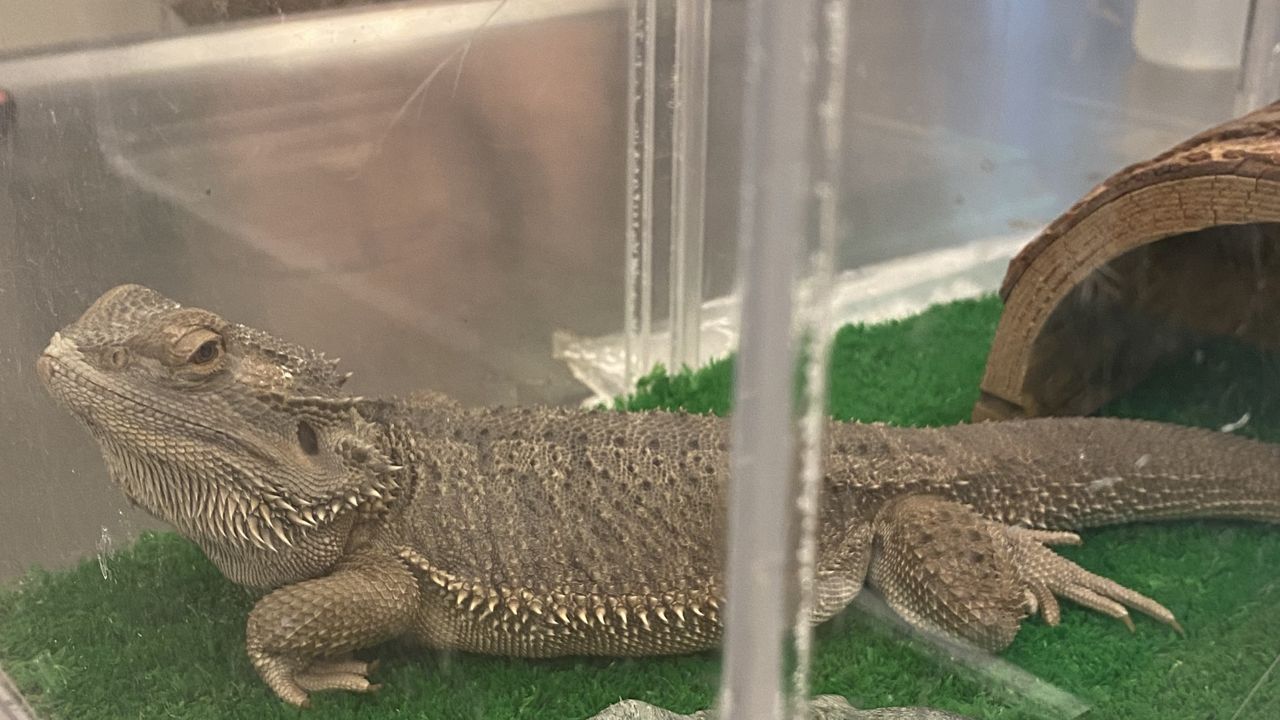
{"x": 517, "y": 606}
{"x": 311, "y": 364}
{"x": 216, "y": 509}
{"x": 266, "y": 505}
{"x": 243, "y": 519}
{"x": 259, "y": 515}
{"x": 264, "y": 513}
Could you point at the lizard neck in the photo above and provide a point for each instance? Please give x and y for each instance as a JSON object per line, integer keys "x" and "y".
{"x": 312, "y": 554}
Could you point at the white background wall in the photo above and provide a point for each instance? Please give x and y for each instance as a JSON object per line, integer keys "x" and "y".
{"x": 31, "y": 24}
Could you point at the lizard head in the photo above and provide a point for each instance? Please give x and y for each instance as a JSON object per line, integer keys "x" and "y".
{"x": 238, "y": 439}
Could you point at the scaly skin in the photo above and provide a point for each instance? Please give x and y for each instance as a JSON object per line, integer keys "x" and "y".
{"x": 539, "y": 532}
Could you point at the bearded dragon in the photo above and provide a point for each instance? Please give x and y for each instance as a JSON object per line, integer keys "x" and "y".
{"x": 537, "y": 532}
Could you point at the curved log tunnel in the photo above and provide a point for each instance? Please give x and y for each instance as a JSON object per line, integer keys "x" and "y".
{"x": 1183, "y": 246}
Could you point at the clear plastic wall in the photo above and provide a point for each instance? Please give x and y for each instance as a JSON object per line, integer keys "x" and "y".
{"x": 408, "y": 187}
{"x": 968, "y": 126}
{"x": 536, "y": 202}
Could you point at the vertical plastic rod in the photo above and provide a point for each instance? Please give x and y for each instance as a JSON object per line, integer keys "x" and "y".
{"x": 815, "y": 320}
{"x": 1260, "y": 69}
{"x": 688, "y": 190}
{"x": 763, "y": 494}
{"x": 638, "y": 304}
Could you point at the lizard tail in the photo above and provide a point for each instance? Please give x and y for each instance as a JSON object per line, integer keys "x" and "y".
{"x": 1080, "y": 472}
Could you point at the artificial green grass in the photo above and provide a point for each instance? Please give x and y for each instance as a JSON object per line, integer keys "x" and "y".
{"x": 155, "y": 632}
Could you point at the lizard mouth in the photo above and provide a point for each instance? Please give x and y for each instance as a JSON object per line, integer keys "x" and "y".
{"x": 56, "y": 370}
{"x": 60, "y": 379}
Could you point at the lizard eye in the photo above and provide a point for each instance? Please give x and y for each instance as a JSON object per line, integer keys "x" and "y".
{"x": 118, "y": 358}
{"x": 207, "y": 352}
{"x": 201, "y": 349}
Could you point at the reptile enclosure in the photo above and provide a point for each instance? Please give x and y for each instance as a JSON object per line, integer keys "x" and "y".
{"x": 491, "y": 199}
{"x": 1177, "y": 247}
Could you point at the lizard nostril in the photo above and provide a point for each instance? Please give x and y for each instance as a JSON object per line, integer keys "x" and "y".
{"x": 48, "y": 360}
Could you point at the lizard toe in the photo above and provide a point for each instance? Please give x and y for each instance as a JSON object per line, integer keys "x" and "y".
{"x": 337, "y": 674}
{"x": 321, "y": 681}
{"x": 1040, "y": 599}
{"x": 279, "y": 675}
{"x": 347, "y": 665}
{"x": 1043, "y": 568}
{"x": 293, "y": 680}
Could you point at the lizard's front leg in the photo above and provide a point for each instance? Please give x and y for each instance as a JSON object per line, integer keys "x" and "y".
{"x": 300, "y": 636}
{"x": 941, "y": 565}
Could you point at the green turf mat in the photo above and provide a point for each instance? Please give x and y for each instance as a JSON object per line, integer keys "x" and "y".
{"x": 155, "y": 632}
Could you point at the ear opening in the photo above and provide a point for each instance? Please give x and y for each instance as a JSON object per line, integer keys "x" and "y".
{"x": 307, "y": 438}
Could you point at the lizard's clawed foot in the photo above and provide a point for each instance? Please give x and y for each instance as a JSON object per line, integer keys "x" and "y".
{"x": 941, "y": 566}
{"x": 300, "y": 637}
{"x": 1048, "y": 574}
{"x": 293, "y": 678}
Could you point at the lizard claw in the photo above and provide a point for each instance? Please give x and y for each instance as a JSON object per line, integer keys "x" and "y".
{"x": 277, "y": 672}
{"x": 1049, "y": 574}
{"x": 293, "y": 679}
{"x": 942, "y": 566}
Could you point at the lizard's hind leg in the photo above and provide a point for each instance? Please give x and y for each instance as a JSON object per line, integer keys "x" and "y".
{"x": 942, "y": 566}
